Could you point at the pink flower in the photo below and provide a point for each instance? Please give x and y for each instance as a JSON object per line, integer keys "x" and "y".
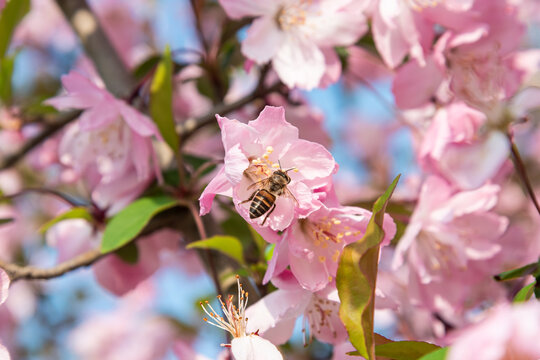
{"x": 254, "y": 151}
{"x": 244, "y": 345}
{"x": 129, "y": 332}
{"x": 508, "y": 332}
{"x": 295, "y": 34}
{"x": 454, "y": 147}
{"x": 275, "y": 314}
{"x": 449, "y": 229}
{"x": 110, "y": 135}
{"x": 312, "y": 246}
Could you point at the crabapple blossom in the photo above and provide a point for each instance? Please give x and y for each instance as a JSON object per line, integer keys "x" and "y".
{"x": 276, "y": 313}
{"x": 450, "y": 228}
{"x": 455, "y": 147}
{"x": 244, "y": 345}
{"x": 507, "y": 332}
{"x": 110, "y": 137}
{"x": 254, "y": 151}
{"x": 312, "y": 246}
{"x": 298, "y": 36}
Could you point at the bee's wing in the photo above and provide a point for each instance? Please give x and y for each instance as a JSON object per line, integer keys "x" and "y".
{"x": 288, "y": 193}
{"x": 259, "y": 184}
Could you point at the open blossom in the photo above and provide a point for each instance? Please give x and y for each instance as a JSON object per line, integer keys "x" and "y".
{"x": 254, "y": 151}
{"x": 244, "y": 345}
{"x": 298, "y": 36}
{"x": 274, "y": 316}
{"x": 507, "y": 333}
{"x": 450, "y": 228}
{"x": 110, "y": 138}
{"x": 455, "y": 147}
{"x": 312, "y": 246}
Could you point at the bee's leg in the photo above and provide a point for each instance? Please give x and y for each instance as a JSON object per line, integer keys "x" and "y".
{"x": 250, "y": 198}
{"x": 268, "y": 213}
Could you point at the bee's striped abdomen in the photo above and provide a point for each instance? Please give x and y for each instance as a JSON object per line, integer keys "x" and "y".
{"x": 261, "y": 203}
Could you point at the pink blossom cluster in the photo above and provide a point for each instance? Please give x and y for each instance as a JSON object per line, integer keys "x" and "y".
{"x": 308, "y": 227}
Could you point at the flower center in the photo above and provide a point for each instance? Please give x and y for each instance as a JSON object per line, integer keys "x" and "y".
{"x": 319, "y": 315}
{"x": 235, "y": 320}
{"x": 292, "y": 15}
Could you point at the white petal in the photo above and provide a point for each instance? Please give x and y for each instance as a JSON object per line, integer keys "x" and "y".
{"x": 254, "y": 347}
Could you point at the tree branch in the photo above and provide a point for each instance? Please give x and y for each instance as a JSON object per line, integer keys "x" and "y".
{"x": 118, "y": 80}
{"x": 18, "y": 272}
{"x": 51, "y": 129}
{"x": 187, "y": 128}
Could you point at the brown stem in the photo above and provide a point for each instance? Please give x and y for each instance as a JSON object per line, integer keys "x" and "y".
{"x": 118, "y": 80}
{"x": 191, "y": 125}
{"x": 522, "y": 172}
{"x": 17, "y": 272}
{"x": 50, "y": 130}
{"x": 64, "y": 197}
{"x": 209, "y": 255}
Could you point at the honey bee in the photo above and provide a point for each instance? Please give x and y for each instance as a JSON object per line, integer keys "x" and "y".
{"x": 263, "y": 200}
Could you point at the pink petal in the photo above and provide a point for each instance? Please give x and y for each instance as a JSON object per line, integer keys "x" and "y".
{"x": 415, "y": 85}
{"x": 236, "y": 163}
{"x": 4, "y": 286}
{"x": 311, "y": 159}
{"x": 263, "y": 40}
{"x": 71, "y": 237}
{"x": 274, "y": 130}
{"x": 219, "y": 185}
{"x": 299, "y": 63}
{"x": 98, "y": 117}
{"x": 278, "y": 306}
{"x": 138, "y": 122}
{"x": 390, "y": 42}
{"x": 254, "y": 347}
{"x": 237, "y": 9}
{"x": 141, "y": 149}
{"x": 4, "y": 354}
{"x": 311, "y": 273}
{"x": 279, "y": 260}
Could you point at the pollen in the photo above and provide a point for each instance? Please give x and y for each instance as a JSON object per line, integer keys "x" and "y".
{"x": 322, "y": 258}
{"x": 269, "y": 149}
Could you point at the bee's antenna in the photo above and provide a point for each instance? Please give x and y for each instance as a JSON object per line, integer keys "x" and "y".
{"x": 279, "y": 162}
{"x": 285, "y": 171}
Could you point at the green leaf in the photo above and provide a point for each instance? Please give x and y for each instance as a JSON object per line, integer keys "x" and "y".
{"x": 4, "y": 221}
{"x": 128, "y": 253}
{"x": 161, "y": 92}
{"x": 228, "y": 245}
{"x": 517, "y": 273}
{"x": 6, "y": 72}
{"x": 144, "y": 68}
{"x": 128, "y": 223}
{"x": 525, "y": 293}
{"x": 356, "y": 278}
{"x": 12, "y": 14}
{"x": 405, "y": 350}
{"x": 436, "y": 355}
{"x": 73, "y": 213}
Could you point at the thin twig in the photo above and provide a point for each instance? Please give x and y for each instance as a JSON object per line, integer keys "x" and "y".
{"x": 209, "y": 255}
{"x": 18, "y": 272}
{"x": 49, "y": 131}
{"x": 64, "y": 197}
{"x": 522, "y": 172}
{"x": 191, "y": 125}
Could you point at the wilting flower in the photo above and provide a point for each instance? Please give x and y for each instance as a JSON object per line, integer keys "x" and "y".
{"x": 275, "y": 314}
{"x": 254, "y": 151}
{"x": 299, "y": 35}
{"x": 312, "y": 246}
{"x": 507, "y": 333}
{"x": 244, "y": 345}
